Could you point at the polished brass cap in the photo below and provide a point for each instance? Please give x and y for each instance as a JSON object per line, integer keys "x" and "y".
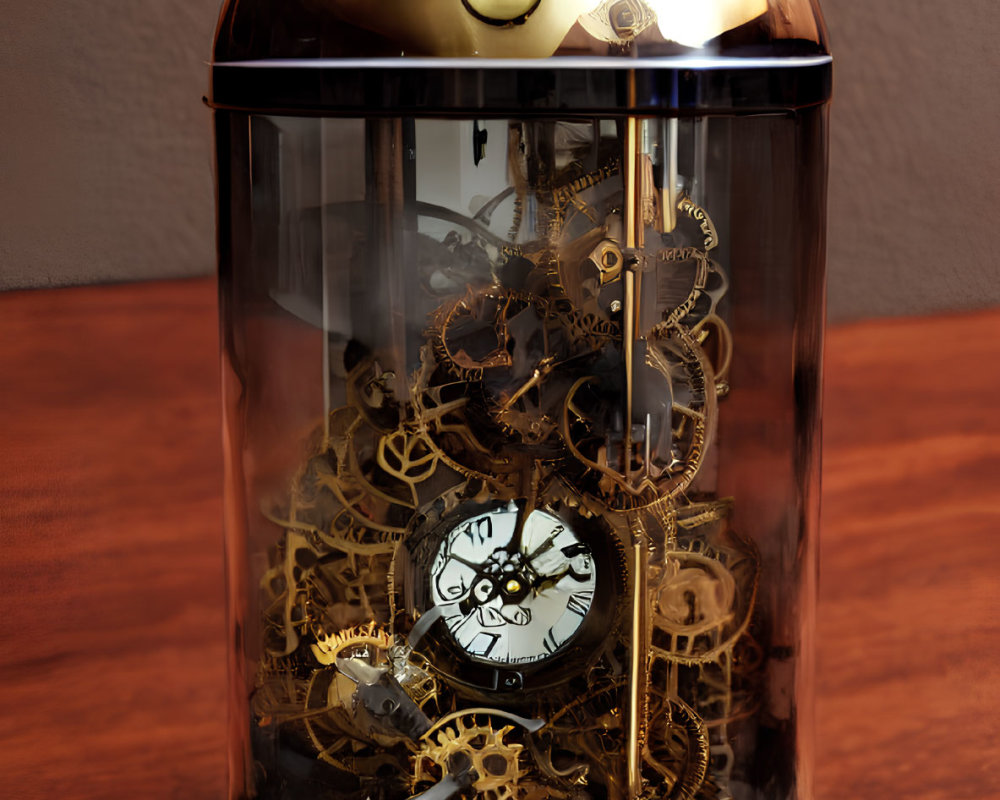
{"x": 516, "y": 28}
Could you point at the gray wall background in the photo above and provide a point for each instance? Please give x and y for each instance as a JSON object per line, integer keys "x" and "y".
{"x": 105, "y": 148}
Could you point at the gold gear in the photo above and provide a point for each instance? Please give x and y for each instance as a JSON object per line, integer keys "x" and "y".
{"x": 676, "y": 360}
{"x": 440, "y": 411}
{"x": 532, "y": 428}
{"x": 362, "y": 641}
{"x": 467, "y": 742}
{"x": 588, "y": 327}
{"x": 705, "y": 592}
{"x": 474, "y": 305}
{"x": 675, "y": 751}
{"x": 677, "y": 747}
{"x": 370, "y": 643}
{"x": 407, "y": 456}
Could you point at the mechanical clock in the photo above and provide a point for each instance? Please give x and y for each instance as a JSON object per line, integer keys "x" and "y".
{"x": 512, "y": 597}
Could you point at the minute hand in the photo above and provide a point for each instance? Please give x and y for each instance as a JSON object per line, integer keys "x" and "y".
{"x": 545, "y": 366}
{"x": 546, "y": 581}
{"x": 546, "y": 545}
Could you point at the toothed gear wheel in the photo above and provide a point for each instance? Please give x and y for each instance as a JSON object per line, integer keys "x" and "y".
{"x": 362, "y": 641}
{"x": 588, "y": 327}
{"x": 471, "y": 335}
{"x": 469, "y": 746}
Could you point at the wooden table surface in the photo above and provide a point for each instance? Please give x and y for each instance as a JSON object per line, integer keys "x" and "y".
{"x": 112, "y": 658}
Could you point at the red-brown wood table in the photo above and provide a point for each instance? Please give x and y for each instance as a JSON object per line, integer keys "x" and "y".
{"x": 112, "y": 657}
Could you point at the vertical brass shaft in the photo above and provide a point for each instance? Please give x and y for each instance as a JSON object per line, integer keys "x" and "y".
{"x": 637, "y": 667}
{"x": 633, "y": 223}
{"x": 668, "y": 195}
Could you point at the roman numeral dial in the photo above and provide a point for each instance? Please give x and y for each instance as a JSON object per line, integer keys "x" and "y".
{"x": 514, "y": 585}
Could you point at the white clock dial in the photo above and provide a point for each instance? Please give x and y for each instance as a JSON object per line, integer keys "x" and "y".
{"x": 512, "y": 593}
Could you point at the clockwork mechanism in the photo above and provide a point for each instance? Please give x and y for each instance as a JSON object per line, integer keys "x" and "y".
{"x": 505, "y": 571}
{"x": 505, "y": 590}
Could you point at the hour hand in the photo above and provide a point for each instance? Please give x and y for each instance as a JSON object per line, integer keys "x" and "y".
{"x": 544, "y": 546}
{"x": 543, "y": 582}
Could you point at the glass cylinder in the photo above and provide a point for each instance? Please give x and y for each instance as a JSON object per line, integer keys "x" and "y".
{"x": 522, "y": 311}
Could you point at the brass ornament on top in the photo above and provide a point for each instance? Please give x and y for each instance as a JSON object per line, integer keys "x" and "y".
{"x": 538, "y": 28}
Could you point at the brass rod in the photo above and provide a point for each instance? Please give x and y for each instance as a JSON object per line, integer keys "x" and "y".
{"x": 633, "y": 224}
{"x": 669, "y": 189}
{"x": 631, "y": 182}
{"x": 637, "y": 668}
{"x": 628, "y": 346}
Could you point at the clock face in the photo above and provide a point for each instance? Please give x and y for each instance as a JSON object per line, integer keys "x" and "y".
{"x": 513, "y": 586}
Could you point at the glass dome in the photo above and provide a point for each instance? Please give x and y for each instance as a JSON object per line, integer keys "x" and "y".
{"x": 522, "y": 312}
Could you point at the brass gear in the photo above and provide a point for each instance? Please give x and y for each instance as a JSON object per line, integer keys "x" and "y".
{"x": 468, "y": 744}
{"x": 586, "y": 326}
{"x": 677, "y": 747}
{"x": 674, "y": 457}
{"x": 495, "y": 305}
{"x": 368, "y": 642}
{"x": 705, "y": 591}
{"x": 675, "y": 753}
{"x": 441, "y": 411}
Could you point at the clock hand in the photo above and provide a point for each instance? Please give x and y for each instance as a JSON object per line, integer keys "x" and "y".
{"x": 466, "y": 562}
{"x": 545, "y": 366}
{"x": 546, "y": 545}
{"x": 547, "y": 581}
{"x": 541, "y": 581}
{"x": 524, "y": 510}
{"x": 515, "y": 539}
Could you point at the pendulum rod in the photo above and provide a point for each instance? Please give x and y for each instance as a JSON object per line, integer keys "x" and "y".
{"x": 633, "y": 223}
{"x": 637, "y": 665}
{"x": 628, "y": 328}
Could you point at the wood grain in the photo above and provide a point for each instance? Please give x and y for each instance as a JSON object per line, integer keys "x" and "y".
{"x": 909, "y": 612}
{"x": 112, "y": 666}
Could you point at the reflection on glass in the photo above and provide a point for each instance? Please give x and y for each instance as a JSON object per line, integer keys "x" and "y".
{"x": 512, "y": 529}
